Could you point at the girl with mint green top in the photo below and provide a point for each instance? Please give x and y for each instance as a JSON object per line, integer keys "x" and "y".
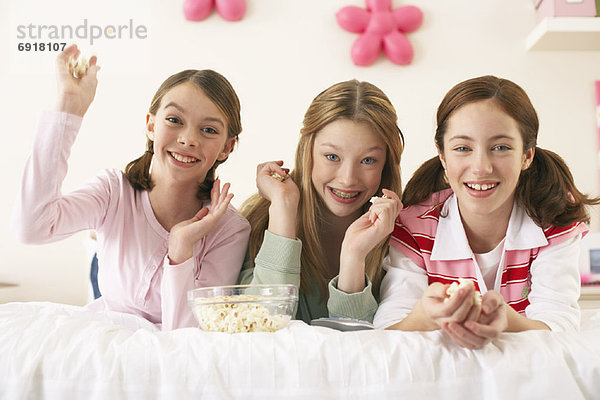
{"x": 319, "y": 227}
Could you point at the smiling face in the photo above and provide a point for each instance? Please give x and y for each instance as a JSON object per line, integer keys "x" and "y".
{"x": 483, "y": 157}
{"x": 348, "y": 159}
{"x": 189, "y": 133}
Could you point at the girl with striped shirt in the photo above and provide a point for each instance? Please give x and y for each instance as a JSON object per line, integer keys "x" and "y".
{"x": 492, "y": 208}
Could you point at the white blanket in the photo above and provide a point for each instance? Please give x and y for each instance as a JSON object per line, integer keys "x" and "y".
{"x": 54, "y": 351}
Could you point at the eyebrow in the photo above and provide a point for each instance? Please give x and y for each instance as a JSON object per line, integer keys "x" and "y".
{"x": 467, "y": 137}
{"x": 366, "y": 150}
{"x": 181, "y": 109}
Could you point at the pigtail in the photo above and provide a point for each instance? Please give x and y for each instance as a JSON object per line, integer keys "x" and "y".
{"x": 428, "y": 179}
{"x": 547, "y": 191}
{"x": 138, "y": 170}
{"x": 206, "y": 185}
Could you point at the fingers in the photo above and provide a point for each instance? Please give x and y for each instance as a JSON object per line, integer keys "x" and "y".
{"x": 490, "y": 332}
{"x": 385, "y": 208}
{"x": 442, "y": 309}
{"x": 220, "y": 197}
{"x": 201, "y": 214}
{"x": 490, "y": 301}
{"x": 69, "y": 52}
{"x": 458, "y": 307}
{"x": 464, "y": 337}
{"x": 272, "y": 168}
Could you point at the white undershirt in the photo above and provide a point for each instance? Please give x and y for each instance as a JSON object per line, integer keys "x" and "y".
{"x": 488, "y": 264}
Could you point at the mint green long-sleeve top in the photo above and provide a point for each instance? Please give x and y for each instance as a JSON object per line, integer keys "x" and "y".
{"x": 278, "y": 261}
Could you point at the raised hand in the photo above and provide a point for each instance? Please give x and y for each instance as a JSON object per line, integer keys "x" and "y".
{"x": 75, "y": 94}
{"x": 274, "y": 184}
{"x": 362, "y": 236}
{"x": 185, "y": 234}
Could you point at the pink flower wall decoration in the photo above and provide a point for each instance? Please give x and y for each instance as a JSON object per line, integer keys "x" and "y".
{"x": 197, "y": 10}
{"x": 380, "y": 27}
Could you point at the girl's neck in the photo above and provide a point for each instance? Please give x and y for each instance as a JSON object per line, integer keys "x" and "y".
{"x": 485, "y": 232}
{"x": 331, "y": 236}
{"x": 173, "y": 203}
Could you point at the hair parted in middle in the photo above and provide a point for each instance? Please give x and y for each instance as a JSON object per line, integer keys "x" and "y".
{"x": 221, "y": 93}
{"x": 546, "y": 189}
{"x": 356, "y": 101}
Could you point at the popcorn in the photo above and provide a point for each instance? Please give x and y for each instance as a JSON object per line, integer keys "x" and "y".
{"x": 376, "y": 197}
{"x": 79, "y": 67}
{"x": 233, "y": 314}
{"x": 278, "y": 177}
{"x": 454, "y": 287}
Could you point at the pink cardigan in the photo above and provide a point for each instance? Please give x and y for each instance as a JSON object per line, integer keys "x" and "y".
{"x": 134, "y": 275}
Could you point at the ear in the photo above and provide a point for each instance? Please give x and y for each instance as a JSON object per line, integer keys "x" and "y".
{"x": 441, "y": 156}
{"x": 150, "y": 126}
{"x": 528, "y": 158}
{"x": 227, "y": 148}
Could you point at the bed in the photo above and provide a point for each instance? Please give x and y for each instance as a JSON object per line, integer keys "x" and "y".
{"x": 55, "y": 351}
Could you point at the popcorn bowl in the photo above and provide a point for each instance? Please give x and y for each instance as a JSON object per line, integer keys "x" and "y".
{"x": 243, "y": 308}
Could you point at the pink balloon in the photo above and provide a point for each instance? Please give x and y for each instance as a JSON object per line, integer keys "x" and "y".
{"x": 353, "y": 19}
{"x": 231, "y": 10}
{"x": 397, "y": 48}
{"x": 365, "y": 49}
{"x": 408, "y": 18}
{"x": 197, "y": 10}
{"x": 380, "y": 28}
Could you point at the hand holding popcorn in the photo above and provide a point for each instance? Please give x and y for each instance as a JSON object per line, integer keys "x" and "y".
{"x": 455, "y": 286}
{"x": 76, "y": 81}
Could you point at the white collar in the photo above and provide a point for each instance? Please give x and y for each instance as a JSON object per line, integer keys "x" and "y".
{"x": 451, "y": 241}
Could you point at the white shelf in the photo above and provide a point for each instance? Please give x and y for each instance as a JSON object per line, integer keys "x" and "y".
{"x": 565, "y": 33}
{"x": 590, "y": 297}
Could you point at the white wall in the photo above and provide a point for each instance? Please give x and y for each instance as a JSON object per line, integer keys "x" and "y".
{"x": 278, "y": 58}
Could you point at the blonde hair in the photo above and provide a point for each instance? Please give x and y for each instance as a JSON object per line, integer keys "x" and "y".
{"x": 219, "y": 91}
{"x": 358, "y": 102}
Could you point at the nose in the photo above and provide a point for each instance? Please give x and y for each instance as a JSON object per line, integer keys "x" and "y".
{"x": 482, "y": 164}
{"x": 347, "y": 174}
{"x": 187, "y": 138}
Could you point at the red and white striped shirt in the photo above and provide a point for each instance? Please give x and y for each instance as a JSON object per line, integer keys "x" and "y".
{"x": 427, "y": 248}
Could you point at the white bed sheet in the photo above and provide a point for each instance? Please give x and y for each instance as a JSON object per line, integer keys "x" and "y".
{"x": 55, "y": 351}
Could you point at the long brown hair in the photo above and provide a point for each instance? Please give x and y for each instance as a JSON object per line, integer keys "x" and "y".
{"x": 219, "y": 91}
{"x": 546, "y": 189}
{"x": 358, "y": 102}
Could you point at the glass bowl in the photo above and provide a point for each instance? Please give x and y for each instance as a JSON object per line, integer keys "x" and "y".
{"x": 243, "y": 308}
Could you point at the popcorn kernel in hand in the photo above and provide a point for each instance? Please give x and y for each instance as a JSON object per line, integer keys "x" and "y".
{"x": 278, "y": 177}
{"x": 79, "y": 67}
{"x": 454, "y": 287}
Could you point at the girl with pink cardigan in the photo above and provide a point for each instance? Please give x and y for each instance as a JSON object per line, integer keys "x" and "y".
{"x": 165, "y": 225}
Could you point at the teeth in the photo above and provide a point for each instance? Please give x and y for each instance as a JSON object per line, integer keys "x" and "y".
{"x": 344, "y": 195}
{"x": 184, "y": 159}
{"x": 477, "y": 186}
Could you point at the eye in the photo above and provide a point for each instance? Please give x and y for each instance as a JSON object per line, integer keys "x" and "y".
{"x": 332, "y": 157}
{"x": 501, "y": 147}
{"x": 368, "y": 160}
{"x": 209, "y": 130}
{"x": 173, "y": 120}
{"x": 461, "y": 149}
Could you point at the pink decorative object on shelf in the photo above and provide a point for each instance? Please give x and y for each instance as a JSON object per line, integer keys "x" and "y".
{"x": 565, "y": 8}
{"x": 380, "y": 28}
{"x": 197, "y": 10}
